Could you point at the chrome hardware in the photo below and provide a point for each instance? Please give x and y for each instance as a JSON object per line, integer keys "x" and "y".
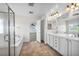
{"x": 6, "y": 37}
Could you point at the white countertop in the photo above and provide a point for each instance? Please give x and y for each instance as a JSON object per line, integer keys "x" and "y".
{"x": 63, "y": 36}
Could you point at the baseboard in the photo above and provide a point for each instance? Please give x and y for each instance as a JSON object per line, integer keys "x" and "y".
{"x": 55, "y": 50}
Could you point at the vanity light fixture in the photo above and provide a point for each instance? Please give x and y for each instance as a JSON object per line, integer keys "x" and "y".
{"x": 57, "y": 14}
{"x": 60, "y": 14}
{"x": 68, "y": 8}
{"x": 72, "y": 7}
{"x": 76, "y": 6}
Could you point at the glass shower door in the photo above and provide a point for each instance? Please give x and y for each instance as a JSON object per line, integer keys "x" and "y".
{"x": 12, "y": 32}
{"x": 4, "y": 30}
{"x": 7, "y": 31}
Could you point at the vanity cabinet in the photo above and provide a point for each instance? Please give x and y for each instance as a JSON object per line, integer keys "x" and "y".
{"x": 63, "y": 49}
{"x": 48, "y": 38}
{"x": 56, "y": 43}
{"x": 73, "y": 48}
{"x": 69, "y": 47}
{"x": 65, "y": 46}
{"x": 51, "y": 40}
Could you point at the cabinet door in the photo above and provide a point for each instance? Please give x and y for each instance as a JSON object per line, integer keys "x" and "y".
{"x": 48, "y": 37}
{"x": 75, "y": 48}
{"x": 63, "y": 46}
{"x": 69, "y": 47}
{"x": 56, "y": 45}
{"x": 51, "y": 41}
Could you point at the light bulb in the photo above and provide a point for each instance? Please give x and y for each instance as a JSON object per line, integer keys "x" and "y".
{"x": 67, "y": 9}
{"x": 77, "y": 4}
{"x": 56, "y": 14}
{"x": 76, "y": 8}
{"x": 71, "y": 10}
{"x": 59, "y": 14}
{"x": 72, "y": 6}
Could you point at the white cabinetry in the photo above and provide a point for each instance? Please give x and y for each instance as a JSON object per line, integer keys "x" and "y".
{"x": 73, "y": 48}
{"x": 63, "y": 46}
{"x": 51, "y": 41}
{"x": 56, "y": 43}
{"x": 69, "y": 47}
{"x": 48, "y": 38}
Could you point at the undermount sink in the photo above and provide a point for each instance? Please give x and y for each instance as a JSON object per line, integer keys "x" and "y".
{"x": 73, "y": 35}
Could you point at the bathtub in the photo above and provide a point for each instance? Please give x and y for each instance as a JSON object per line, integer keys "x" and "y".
{"x": 18, "y": 46}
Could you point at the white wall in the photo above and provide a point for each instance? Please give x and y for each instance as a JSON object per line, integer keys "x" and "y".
{"x": 23, "y": 25}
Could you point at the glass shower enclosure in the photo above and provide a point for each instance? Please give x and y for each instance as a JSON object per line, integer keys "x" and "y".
{"x": 7, "y": 30}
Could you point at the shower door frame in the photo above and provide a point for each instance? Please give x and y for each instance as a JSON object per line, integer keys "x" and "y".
{"x": 9, "y": 45}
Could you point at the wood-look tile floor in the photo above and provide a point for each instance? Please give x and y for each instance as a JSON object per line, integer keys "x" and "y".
{"x": 37, "y": 49}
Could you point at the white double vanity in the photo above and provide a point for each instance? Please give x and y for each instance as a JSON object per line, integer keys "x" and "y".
{"x": 62, "y": 34}
{"x": 65, "y": 45}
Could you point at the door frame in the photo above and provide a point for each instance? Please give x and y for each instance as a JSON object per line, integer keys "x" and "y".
{"x": 42, "y": 40}
{"x": 9, "y": 49}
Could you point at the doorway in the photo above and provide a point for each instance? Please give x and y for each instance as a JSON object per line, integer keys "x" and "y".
{"x": 42, "y": 31}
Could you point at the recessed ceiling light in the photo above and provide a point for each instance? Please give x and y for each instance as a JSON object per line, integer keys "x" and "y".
{"x": 31, "y": 4}
{"x": 31, "y": 12}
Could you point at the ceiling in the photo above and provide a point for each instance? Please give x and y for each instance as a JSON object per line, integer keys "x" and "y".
{"x": 3, "y": 8}
{"x": 39, "y": 9}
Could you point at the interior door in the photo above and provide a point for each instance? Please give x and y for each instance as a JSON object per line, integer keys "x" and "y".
{"x": 38, "y": 32}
